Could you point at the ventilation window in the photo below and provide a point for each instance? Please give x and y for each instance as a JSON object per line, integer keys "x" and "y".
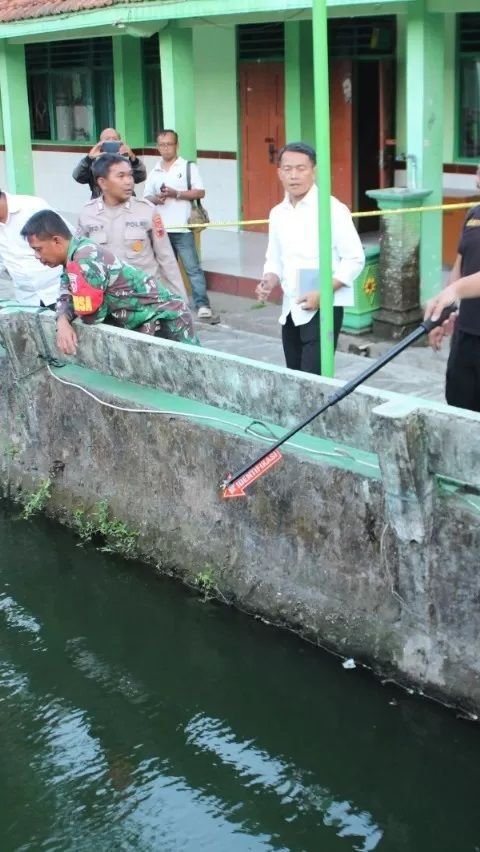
{"x": 355, "y": 38}
{"x": 261, "y": 41}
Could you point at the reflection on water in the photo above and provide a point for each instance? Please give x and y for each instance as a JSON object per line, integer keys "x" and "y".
{"x": 136, "y": 717}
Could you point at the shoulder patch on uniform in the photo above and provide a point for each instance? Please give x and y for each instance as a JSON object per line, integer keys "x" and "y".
{"x": 473, "y": 223}
{"x": 158, "y": 226}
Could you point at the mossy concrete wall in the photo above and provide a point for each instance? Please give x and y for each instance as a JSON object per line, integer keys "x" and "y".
{"x": 365, "y": 540}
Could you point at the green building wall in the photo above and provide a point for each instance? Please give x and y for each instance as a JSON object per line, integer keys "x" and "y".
{"x": 215, "y": 61}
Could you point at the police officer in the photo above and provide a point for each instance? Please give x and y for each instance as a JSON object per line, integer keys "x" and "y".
{"x": 130, "y": 227}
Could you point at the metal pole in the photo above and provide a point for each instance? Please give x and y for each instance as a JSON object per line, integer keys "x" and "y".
{"x": 322, "y": 139}
{"x": 229, "y": 487}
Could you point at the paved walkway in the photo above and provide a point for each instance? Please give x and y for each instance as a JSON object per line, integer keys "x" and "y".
{"x": 254, "y": 332}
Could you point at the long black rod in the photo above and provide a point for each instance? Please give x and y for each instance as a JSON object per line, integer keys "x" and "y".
{"x": 425, "y": 327}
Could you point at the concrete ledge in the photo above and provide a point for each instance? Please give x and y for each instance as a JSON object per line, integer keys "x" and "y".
{"x": 380, "y": 567}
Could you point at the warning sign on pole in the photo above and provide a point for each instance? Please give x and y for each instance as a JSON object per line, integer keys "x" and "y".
{"x": 237, "y": 488}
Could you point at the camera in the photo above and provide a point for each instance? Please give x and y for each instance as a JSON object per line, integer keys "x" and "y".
{"x": 111, "y": 147}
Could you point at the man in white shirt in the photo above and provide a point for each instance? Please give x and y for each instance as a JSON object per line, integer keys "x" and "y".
{"x": 167, "y": 186}
{"x": 33, "y": 283}
{"x": 293, "y": 247}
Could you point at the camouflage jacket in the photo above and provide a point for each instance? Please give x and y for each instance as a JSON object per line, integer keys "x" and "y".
{"x": 131, "y": 298}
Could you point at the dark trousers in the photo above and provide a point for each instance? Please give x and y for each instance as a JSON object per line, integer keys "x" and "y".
{"x": 462, "y": 387}
{"x": 301, "y": 343}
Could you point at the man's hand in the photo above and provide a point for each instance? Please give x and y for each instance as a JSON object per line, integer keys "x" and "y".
{"x": 266, "y": 285}
{"x": 66, "y": 337}
{"x": 169, "y": 192}
{"x": 309, "y": 301}
{"x": 435, "y": 338}
{"x": 436, "y": 305}
{"x": 433, "y": 310}
{"x": 95, "y": 151}
{"x": 126, "y": 151}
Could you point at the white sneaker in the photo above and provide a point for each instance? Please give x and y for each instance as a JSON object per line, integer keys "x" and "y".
{"x": 204, "y": 312}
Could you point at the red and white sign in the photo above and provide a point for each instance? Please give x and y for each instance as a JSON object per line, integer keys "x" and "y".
{"x": 237, "y": 488}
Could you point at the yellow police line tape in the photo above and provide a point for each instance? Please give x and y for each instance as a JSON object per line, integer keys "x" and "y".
{"x": 359, "y": 215}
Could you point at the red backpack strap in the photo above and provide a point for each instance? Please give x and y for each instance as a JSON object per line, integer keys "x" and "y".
{"x": 86, "y": 299}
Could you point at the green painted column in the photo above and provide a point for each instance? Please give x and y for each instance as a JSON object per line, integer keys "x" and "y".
{"x": 425, "y": 96}
{"x": 178, "y": 87}
{"x": 322, "y": 137}
{"x": 2, "y": 135}
{"x": 299, "y": 112}
{"x": 128, "y": 90}
{"x": 16, "y": 119}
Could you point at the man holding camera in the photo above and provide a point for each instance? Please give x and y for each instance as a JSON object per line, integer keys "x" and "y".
{"x": 109, "y": 143}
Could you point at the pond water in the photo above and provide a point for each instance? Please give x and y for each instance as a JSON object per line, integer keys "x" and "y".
{"x": 134, "y": 716}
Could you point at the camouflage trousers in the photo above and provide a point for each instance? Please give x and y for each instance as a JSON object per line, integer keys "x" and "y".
{"x": 173, "y": 321}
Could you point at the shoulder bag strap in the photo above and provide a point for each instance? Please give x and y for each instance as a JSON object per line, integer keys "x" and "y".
{"x": 196, "y": 202}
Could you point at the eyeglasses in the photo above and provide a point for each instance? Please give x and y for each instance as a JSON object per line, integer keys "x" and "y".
{"x": 167, "y": 144}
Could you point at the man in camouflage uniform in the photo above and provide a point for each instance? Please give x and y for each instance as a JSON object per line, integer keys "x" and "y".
{"x": 130, "y": 227}
{"x": 97, "y": 287}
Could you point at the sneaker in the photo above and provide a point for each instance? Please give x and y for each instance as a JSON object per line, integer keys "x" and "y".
{"x": 204, "y": 312}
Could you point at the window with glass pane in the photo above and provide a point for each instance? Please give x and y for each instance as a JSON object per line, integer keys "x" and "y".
{"x": 470, "y": 108}
{"x": 469, "y": 85}
{"x": 70, "y": 87}
{"x": 39, "y": 106}
{"x": 72, "y": 101}
{"x": 152, "y": 88}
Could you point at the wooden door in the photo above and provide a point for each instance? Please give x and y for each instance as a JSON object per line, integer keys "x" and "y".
{"x": 341, "y": 129}
{"x": 263, "y": 133}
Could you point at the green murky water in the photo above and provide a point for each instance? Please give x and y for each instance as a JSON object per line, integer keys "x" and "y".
{"x": 135, "y": 717}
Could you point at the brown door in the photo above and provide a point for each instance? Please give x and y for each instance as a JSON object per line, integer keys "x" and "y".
{"x": 341, "y": 129}
{"x": 263, "y": 133}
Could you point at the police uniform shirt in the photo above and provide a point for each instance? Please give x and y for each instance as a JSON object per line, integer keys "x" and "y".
{"x": 135, "y": 233}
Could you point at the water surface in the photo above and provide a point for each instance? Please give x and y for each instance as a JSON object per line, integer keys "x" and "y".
{"x": 135, "y": 717}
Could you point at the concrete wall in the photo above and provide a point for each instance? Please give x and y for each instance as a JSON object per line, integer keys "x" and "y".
{"x": 365, "y": 547}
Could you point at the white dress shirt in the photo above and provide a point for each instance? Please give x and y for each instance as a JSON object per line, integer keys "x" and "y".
{"x": 293, "y": 245}
{"x": 32, "y": 281}
{"x": 173, "y": 211}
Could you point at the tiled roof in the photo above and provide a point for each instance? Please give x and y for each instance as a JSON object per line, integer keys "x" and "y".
{"x": 20, "y": 10}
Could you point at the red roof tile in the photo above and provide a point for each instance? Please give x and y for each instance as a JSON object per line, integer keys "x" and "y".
{"x": 19, "y": 10}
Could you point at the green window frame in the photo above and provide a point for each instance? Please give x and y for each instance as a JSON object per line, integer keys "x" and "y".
{"x": 70, "y": 90}
{"x": 152, "y": 88}
{"x": 468, "y": 87}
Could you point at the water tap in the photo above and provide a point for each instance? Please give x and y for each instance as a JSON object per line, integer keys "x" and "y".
{"x": 411, "y": 163}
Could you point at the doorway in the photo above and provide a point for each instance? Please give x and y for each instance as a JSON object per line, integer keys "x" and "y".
{"x": 362, "y": 115}
{"x": 374, "y": 147}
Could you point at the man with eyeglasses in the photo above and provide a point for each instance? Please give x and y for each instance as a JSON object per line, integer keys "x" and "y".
{"x": 292, "y": 258}
{"x": 167, "y": 186}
